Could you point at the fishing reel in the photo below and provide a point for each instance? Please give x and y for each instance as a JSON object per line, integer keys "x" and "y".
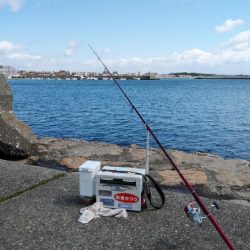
{"x": 194, "y": 213}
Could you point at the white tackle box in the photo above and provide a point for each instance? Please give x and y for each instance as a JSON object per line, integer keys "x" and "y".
{"x": 120, "y": 187}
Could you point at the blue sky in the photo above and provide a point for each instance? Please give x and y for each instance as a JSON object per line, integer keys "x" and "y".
{"x": 162, "y": 36}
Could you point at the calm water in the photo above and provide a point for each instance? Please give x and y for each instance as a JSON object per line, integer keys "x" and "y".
{"x": 192, "y": 115}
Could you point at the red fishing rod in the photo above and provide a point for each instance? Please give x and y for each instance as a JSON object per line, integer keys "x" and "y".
{"x": 173, "y": 164}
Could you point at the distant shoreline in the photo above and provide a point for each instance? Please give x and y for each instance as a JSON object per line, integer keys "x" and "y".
{"x": 222, "y": 78}
{"x": 72, "y": 79}
{"x": 166, "y": 78}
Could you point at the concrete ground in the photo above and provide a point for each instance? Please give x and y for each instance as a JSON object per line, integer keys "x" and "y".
{"x": 39, "y": 209}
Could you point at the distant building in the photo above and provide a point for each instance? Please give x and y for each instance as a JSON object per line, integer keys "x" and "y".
{"x": 8, "y": 71}
{"x": 150, "y": 76}
{"x": 105, "y": 72}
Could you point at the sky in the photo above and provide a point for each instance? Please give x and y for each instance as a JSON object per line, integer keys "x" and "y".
{"x": 164, "y": 36}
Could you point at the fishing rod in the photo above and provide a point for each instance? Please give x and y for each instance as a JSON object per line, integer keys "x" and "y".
{"x": 173, "y": 164}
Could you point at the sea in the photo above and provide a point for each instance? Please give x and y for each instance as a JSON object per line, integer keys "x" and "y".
{"x": 211, "y": 116}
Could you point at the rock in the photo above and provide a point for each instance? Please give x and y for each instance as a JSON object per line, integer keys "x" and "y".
{"x": 72, "y": 163}
{"x": 6, "y": 97}
{"x": 16, "y": 138}
{"x": 139, "y": 154}
{"x": 171, "y": 178}
{"x": 211, "y": 175}
{"x": 226, "y": 178}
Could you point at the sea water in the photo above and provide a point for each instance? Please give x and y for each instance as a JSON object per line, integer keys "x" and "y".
{"x": 192, "y": 115}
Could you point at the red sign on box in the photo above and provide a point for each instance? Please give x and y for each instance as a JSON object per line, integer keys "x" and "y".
{"x": 126, "y": 198}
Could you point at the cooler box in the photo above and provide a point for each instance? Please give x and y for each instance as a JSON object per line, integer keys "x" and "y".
{"x": 87, "y": 176}
{"x": 120, "y": 187}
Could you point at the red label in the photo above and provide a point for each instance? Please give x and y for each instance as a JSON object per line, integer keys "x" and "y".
{"x": 126, "y": 198}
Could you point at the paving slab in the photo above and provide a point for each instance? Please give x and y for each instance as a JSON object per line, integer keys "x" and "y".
{"x": 46, "y": 218}
{"x": 15, "y": 177}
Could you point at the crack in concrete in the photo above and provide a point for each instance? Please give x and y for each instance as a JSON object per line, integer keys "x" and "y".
{"x": 40, "y": 183}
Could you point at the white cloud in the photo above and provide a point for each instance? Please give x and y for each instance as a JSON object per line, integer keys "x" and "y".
{"x": 242, "y": 39}
{"x": 231, "y": 57}
{"x": 13, "y": 52}
{"x": 71, "y": 48}
{"x": 24, "y": 56}
{"x": 14, "y": 5}
{"x": 7, "y": 47}
{"x": 227, "y": 58}
{"x": 69, "y": 52}
{"x": 73, "y": 44}
{"x": 224, "y": 60}
{"x": 228, "y": 25}
{"x": 106, "y": 50}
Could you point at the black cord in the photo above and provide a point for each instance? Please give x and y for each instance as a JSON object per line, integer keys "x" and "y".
{"x": 147, "y": 190}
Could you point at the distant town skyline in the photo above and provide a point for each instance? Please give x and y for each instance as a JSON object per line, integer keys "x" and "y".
{"x": 148, "y": 36}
